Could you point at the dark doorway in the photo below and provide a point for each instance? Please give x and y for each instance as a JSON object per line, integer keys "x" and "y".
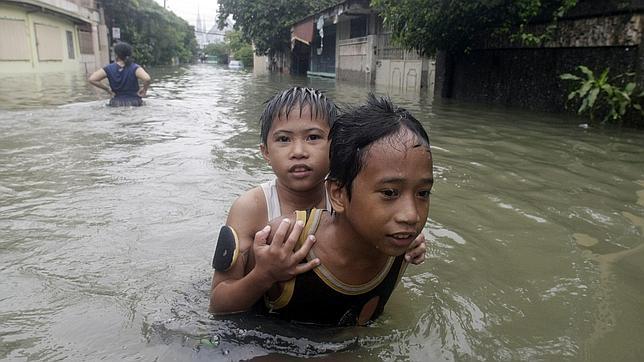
{"x": 323, "y": 51}
{"x": 301, "y": 58}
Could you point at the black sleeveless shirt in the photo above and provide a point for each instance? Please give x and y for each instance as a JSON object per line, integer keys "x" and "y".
{"x": 318, "y": 297}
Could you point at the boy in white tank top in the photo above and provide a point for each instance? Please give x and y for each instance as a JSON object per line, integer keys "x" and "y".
{"x": 295, "y": 126}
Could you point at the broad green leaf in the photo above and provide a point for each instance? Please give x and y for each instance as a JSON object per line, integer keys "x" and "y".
{"x": 589, "y": 73}
{"x": 585, "y": 88}
{"x": 608, "y": 89}
{"x": 568, "y": 76}
{"x": 592, "y": 97}
{"x": 624, "y": 97}
{"x": 584, "y": 105}
{"x": 604, "y": 76}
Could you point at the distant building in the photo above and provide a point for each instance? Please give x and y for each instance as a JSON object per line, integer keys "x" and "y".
{"x": 52, "y": 36}
{"x": 212, "y": 36}
{"x": 349, "y": 42}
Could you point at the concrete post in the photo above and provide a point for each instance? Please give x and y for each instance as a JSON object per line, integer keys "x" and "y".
{"x": 370, "y": 66}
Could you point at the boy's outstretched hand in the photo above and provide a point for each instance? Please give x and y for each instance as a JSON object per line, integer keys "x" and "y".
{"x": 416, "y": 252}
{"x": 277, "y": 261}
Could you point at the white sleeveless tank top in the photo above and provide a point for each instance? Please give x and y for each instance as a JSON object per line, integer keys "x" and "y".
{"x": 273, "y": 200}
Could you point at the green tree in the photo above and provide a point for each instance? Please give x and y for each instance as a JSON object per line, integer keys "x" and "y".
{"x": 157, "y": 35}
{"x": 267, "y": 24}
{"x": 453, "y": 25}
{"x": 219, "y": 51}
{"x": 240, "y": 49}
{"x": 245, "y": 54}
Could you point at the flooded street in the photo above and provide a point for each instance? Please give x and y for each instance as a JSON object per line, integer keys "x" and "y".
{"x": 108, "y": 222}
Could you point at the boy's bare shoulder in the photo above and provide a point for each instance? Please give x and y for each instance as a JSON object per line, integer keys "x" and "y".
{"x": 248, "y": 213}
{"x": 250, "y": 200}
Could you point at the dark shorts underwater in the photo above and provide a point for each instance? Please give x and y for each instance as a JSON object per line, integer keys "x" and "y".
{"x": 126, "y": 101}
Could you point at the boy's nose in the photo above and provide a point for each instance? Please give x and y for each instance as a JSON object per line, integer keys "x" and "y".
{"x": 407, "y": 213}
{"x": 299, "y": 150}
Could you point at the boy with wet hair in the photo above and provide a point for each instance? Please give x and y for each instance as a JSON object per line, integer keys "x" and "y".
{"x": 379, "y": 185}
{"x": 295, "y": 128}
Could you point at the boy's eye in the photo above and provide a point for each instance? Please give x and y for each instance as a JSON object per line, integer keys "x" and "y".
{"x": 281, "y": 139}
{"x": 314, "y": 137}
{"x": 424, "y": 194}
{"x": 389, "y": 193}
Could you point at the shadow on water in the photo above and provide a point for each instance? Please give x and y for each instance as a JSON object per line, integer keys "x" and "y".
{"x": 109, "y": 218}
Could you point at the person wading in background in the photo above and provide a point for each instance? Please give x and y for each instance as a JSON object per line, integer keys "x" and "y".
{"x": 123, "y": 76}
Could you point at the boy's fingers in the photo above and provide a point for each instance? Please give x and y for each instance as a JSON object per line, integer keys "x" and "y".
{"x": 410, "y": 255}
{"x": 417, "y": 255}
{"x": 420, "y": 239}
{"x": 303, "y": 268}
{"x": 280, "y": 234}
{"x": 294, "y": 235}
{"x": 304, "y": 250}
{"x": 262, "y": 235}
{"x": 417, "y": 259}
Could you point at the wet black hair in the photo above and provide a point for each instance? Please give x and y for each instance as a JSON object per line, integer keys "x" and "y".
{"x": 283, "y": 103}
{"x": 355, "y": 130}
{"x": 123, "y": 51}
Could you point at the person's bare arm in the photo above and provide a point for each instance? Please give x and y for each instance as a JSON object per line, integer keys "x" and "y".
{"x": 246, "y": 217}
{"x": 96, "y": 80}
{"x": 143, "y": 76}
{"x": 237, "y": 289}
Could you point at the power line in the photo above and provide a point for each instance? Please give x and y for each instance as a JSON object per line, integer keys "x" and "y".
{"x": 210, "y": 32}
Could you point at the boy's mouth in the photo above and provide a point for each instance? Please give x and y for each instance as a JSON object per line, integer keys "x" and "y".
{"x": 300, "y": 170}
{"x": 403, "y": 238}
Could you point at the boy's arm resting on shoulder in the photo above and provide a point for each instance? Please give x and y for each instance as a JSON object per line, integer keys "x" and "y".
{"x": 231, "y": 295}
{"x": 237, "y": 289}
{"x": 234, "y": 290}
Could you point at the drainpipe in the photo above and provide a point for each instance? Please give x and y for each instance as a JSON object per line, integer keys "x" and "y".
{"x": 31, "y": 31}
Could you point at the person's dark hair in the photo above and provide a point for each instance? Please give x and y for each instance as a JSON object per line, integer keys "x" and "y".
{"x": 123, "y": 51}
{"x": 357, "y": 129}
{"x": 283, "y": 103}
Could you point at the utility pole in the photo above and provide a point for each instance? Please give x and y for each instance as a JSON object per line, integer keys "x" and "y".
{"x": 164, "y": 3}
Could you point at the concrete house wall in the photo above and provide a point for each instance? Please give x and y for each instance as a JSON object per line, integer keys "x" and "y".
{"x": 54, "y": 36}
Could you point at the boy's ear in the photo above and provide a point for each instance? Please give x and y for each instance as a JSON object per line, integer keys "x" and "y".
{"x": 264, "y": 150}
{"x": 337, "y": 195}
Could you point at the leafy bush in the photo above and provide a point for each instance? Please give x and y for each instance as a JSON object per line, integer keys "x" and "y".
{"x": 245, "y": 54}
{"x": 219, "y": 51}
{"x": 239, "y": 48}
{"x": 601, "y": 95}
